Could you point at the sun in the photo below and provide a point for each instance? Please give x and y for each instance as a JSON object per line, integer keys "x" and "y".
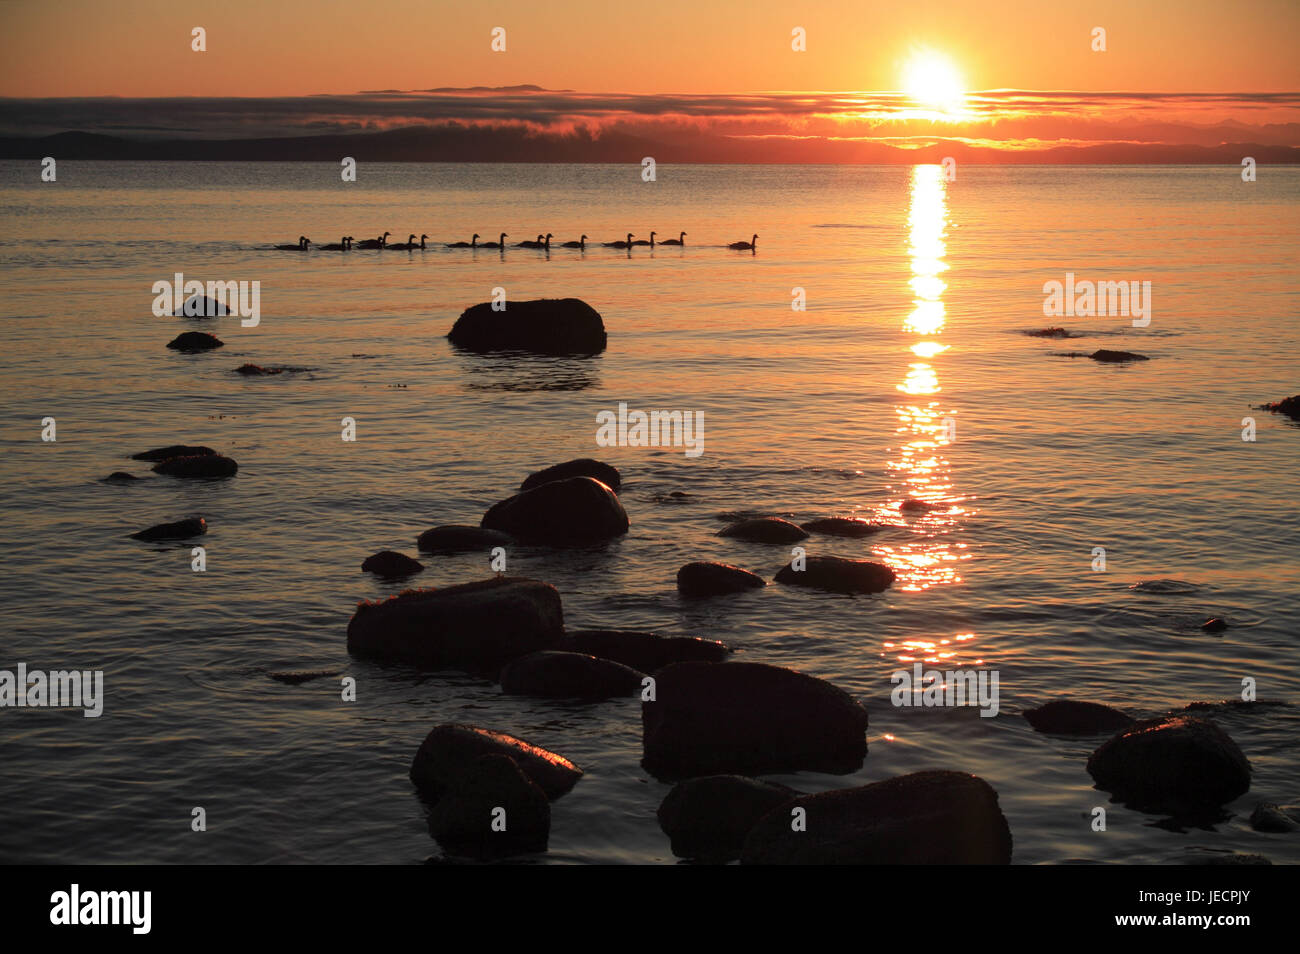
{"x": 931, "y": 80}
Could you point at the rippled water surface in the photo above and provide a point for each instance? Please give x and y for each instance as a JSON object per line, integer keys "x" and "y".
{"x": 907, "y": 376}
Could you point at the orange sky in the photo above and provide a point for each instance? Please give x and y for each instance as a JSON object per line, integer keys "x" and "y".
{"x": 298, "y": 47}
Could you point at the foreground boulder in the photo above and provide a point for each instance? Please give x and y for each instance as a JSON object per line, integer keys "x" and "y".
{"x": 838, "y": 575}
{"x": 1289, "y": 406}
{"x": 563, "y": 675}
{"x": 765, "y": 530}
{"x": 544, "y": 325}
{"x": 749, "y": 719}
{"x": 575, "y": 511}
{"x": 174, "y": 450}
{"x": 455, "y": 538}
{"x": 448, "y": 754}
{"x": 843, "y": 526}
{"x": 493, "y": 812}
{"x": 708, "y": 818}
{"x": 607, "y": 474}
{"x": 180, "y": 530}
{"x": 1070, "y": 717}
{"x": 390, "y": 563}
{"x": 192, "y": 341}
{"x": 696, "y": 580}
{"x": 1175, "y": 765}
{"x": 645, "y": 652}
{"x": 926, "y": 818}
{"x": 474, "y": 626}
{"x": 213, "y": 466}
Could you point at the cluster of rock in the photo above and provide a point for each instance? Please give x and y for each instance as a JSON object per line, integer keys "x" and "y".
{"x": 184, "y": 461}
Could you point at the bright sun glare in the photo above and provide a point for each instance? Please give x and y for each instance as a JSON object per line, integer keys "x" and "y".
{"x": 931, "y": 80}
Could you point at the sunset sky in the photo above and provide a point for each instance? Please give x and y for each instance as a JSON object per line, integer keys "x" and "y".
{"x": 1175, "y": 72}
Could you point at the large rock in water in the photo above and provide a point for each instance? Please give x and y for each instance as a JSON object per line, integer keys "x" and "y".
{"x": 1071, "y": 717}
{"x": 765, "y": 530}
{"x": 180, "y": 530}
{"x": 194, "y": 341}
{"x": 927, "y": 818}
{"x": 174, "y": 450}
{"x": 448, "y": 755}
{"x": 607, "y": 474}
{"x": 563, "y": 675}
{"x": 696, "y": 580}
{"x": 1178, "y": 765}
{"x": 645, "y": 652}
{"x": 749, "y": 719}
{"x": 493, "y": 812}
{"x": 391, "y": 564}
{"x": 575, "y": 511}
{"x": 474, "y": 626}
{"x": 838, "y": 575}
{"x": 198, "y": 466}
{"x": 843, "y": 526}
{"x": 457, "y": 538}
{"x": 544, "y": 325}
{"x": 708, "y": 818}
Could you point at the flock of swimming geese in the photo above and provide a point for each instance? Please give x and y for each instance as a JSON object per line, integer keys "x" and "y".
{"x": 542, "y": 241}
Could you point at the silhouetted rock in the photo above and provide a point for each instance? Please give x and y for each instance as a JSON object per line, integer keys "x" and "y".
{"x": 447, "y": 757}
{"x": 390, "y": 563}
{"x": 455, "y": 538}
{"x": 1270, "y": 818}
{"x": 1289, "y": 406}
{"x": 607, "y": 474}
{"x": 716, "y": 579}
{"x": 914, "y": 505}
{"x": 708, "y": 818}
{"x": 200, "y": 306}
{"x": 197, "y": 466}
{"x": 843, "y": 526}
{"x": 545, "y": 325}
{"x": 1214, "y": 624}
{"x": 926, "y": 818}
{"x": 1117, "y": 356}
{"x": 765, "y": 530}
{"x": 494, "y": 811}
{"x": 174, "y": 450}
{"x": 749, "y": 719}
{"x": 575, "y": 511}
{"x": 120, "y": 477}
{"x": 1173, "y": 765}
{"x": 1070, "y": 717}
{"x": 645, "y": 652}
{"x": 1051, "y": 333}
{"x": 192, "y": 341}
{"x": 180, "y": 530}
{"x": 298, "y": 677}
{"x": 474, "y": 626}
{"x": 565, "y": 675}
{"x": 838, "y": 575}
{"x": 256, "y": 370}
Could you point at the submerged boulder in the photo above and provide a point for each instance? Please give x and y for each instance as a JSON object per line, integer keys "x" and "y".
{"x": 765, "y": 530}
{"x": 749, "y": 719}
{"x": 180, "y": 530}
{"x": 607, "y": 474}
{"x": 1071, "y": 717}
{"x": 1172, "y": 765}
{"x": 1109, "y": 356}
{"x": 493, "y": 812}
{"x": 1271, "y": 818}
{"x": 296, "y": 677}
{"x": 390, "y": 563}
{"x": 1290, "y": 406}
{"x": 574, "y": 511}
{"x": 708, "y": 818}
{"x": 926, "y": 818}
{"x": 456, "y": 538}
{"x": 644, "y": 652}
{"x": 174, "y": 450}
{"x": 843, "y": 526}
{"x": 192, "y": 341}
{"x": 715, "y": 579}
{"x": 838, "y": 575}
{"x": 120, "y": 477}
{"x": 448, "y": 754}
{"x": 565, "y": 675}
{"x": 544, "y": 325}
{"x": 1215, "y": 624}
{"x": 474, "y": 626}
{"x": 197, "y": 466}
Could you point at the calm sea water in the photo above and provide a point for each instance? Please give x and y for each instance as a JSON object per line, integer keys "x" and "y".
{"x": 917, "y": 290}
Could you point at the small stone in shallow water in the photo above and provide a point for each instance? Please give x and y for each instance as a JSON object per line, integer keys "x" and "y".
{"x": 765, "y": 530}
{"x": 1214, "y": 624}
{"x": 449, "y": 752}
{"x": 120, "y": 477}
{"x": 838, "y": 575}
{"x": 198, "y": 466}
{"x": 1270, "y": 818}
{"x": 390, "y": 563}
{"x": 174, "y": 450}
{"x": 180, "y": 530}
{"x": 192, "y": 341}
{"x": 701, "y": 579}
{"x": 1072, "y": 717}
{"x": 295, "y": 678}
{"x": 843, "y": 526}
{"x": 1113, "y": 357}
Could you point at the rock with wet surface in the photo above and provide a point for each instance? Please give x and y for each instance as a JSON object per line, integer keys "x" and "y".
{"x": 1271, "y": 818}
{"x": 458, "y": 538}
{"x": 1290, "y": 406}
{"x": 707, "y": 818}
{"x": 120, "y": 477}
{"x": 391, "y": 564}
{"x": 1171, "y": 765}
{"x": 174, "y": 450}
{"x": 179, "y": 530}
{"x": 194, "y": 341}
{"x": 838, "y": 575}
{"x": 571, "y": 512}
{"x": 566, "y": 675}
{"x": 645, "y": 652}
{"x": 765, "y": 530}
{"x": 198, "y": 466}
{"x": 545, "y": 326}
{"x": 843, "y": 526}
{"x": 926, "y": 818}
{"x": 749, "y": 719}
{"x": 701, "y": 579}
{"x": 607, "y": 474}
{"x": 1114, "y": 357}
{"x": 494, "y": 811}
{"x": 1072, "y": 717}
{"x": 475, "y": 626}
{"x": 448, "y": 754}
{"x": 1214, "y": 624}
